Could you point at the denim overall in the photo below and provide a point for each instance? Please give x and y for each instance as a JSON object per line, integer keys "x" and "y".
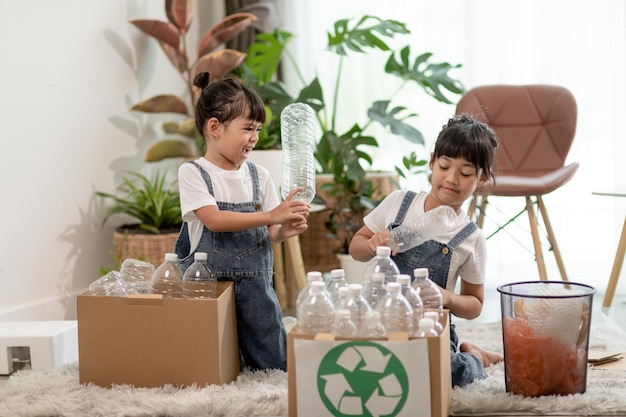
{"x": 246, "y": 258}
{"x": 436, "y": 256}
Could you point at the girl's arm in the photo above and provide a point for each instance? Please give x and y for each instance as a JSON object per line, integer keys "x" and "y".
{"x": 216, "y": 220}
{"x": 468, "y": 304}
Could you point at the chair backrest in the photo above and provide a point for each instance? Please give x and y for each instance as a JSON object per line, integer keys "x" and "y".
{"x": 535, "y": 125}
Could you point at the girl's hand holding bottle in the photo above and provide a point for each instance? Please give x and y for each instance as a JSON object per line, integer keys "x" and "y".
{"x": 291, "y": 215}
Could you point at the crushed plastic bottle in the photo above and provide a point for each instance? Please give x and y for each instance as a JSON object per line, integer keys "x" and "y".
{"x": 432, "y": 223}
{"x": 111, "y": 285}
{"x": 138, "y": 275}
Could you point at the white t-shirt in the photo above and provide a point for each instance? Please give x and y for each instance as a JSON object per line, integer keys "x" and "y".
{"x": 468, "y": 259}
{"x": 228, "y": 185}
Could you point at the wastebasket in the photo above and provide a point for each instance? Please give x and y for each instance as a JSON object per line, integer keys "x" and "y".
{"x": 545, "y": 333}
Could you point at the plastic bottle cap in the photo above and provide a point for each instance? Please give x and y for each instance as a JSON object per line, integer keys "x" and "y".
{"x": 200, "y": 256}
{"x": 403, "y": 279}
{"x": 318, "y": 285}
{"x": 383, "y": 251}
{"x": 426, "y": 323}
{"x": 420, "y": 273}
{"x": 171, "y": 257}
{"x": 337, "y": 273}
{"x": 343, "y": 291}
{"x": 378, "y": 276}
{"x": 393, "y": 287}
{"x": 314, "y": 276}
{"x": 355, "y": 288}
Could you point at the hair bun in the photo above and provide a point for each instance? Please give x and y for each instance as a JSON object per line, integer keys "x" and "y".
{"x": 201, "y": 79}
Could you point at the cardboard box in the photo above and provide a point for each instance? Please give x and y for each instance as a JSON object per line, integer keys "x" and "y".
{"x": 398, "y": 376}
{"x": 153, "y": 341}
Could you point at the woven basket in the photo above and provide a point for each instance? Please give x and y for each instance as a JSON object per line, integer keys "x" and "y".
{"x": 318, "y": 250}
{"x": 146, "y": 247}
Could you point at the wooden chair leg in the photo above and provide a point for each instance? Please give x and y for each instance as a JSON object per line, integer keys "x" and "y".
{"x": 543, "y": 275}
{"x": 279, "y": 275}
{"x": 483, "y": 210}
{"x": 617, "y": 268}
{"x": 296, "y": 272}
{"x": 552, "y": 238}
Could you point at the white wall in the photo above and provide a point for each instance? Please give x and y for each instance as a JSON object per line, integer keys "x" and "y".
{"x": 69, "y": 75}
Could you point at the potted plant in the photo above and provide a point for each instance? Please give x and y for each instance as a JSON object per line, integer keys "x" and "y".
{"x": 210, "y": 56}
{"x": 348, "y": 190}
{"x": 151, "y": 209}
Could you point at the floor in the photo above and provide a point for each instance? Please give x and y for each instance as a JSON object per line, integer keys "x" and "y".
{"x": 491, "y": 313}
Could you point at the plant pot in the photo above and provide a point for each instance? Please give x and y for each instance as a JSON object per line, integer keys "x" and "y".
{"x": 131, "y": 244}
{"x": 354, "y": 269}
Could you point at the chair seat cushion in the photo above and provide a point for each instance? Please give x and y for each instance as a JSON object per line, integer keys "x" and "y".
{"x": 542, "y": 183}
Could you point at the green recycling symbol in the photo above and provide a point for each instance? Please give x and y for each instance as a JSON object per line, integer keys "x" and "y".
{"x": 361, "y": 378}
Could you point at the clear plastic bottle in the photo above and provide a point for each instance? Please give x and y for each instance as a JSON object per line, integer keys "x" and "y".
{"x": 198, "y": 280}
{"x": 168, "y": 278}
{"x": 396, "y": 314}
{"x": 344, "y": 326}
{"x": 372, "y": 327}
{"x": 381, "y": 263}
{"x": 428, "y": 291}
{"x": 356, "y": 304}
{"x": 432, "y": 223}
{"x": 375, "y": 289}
{"x": 297, "y": 125}
{"x": 342, "y": 293}
{"x": 311, "y": 276}
{"x": 316, "y": 313}
{"x": 337, "y": 280}
{"x": 413, "y": 297}
{"x": 426, "y": 327}
{"x": 436, "y": 320}
{"x": 138, "y": 275}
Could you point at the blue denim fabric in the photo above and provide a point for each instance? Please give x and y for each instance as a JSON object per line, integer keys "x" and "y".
{"x": 245, "y": 258}
{"x": 436, "y": 256}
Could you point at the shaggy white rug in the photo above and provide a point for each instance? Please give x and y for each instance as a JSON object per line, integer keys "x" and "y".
{"x": 58, "y": 392}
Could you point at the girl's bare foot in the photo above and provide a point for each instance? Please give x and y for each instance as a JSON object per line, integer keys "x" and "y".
{"x": 487, "y": 357}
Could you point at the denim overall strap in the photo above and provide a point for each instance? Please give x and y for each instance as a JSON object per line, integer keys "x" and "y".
{"x": 403, "y": 210}
{"x": 435, "y": 256}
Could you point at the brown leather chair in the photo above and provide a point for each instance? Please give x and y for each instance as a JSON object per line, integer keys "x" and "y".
{"x": 535, "y": 126}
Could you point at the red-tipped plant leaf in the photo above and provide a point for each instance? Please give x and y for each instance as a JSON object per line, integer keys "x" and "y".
{"x": 161, "y": 31}
{"x": 180, "y": 13}
{"x": 224, "y": 30}
{"x": 169, "y": 148}
{"x": 219, "y": 63}
{"x": 176, "y": 57}
{"x": 165, "y": 103}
